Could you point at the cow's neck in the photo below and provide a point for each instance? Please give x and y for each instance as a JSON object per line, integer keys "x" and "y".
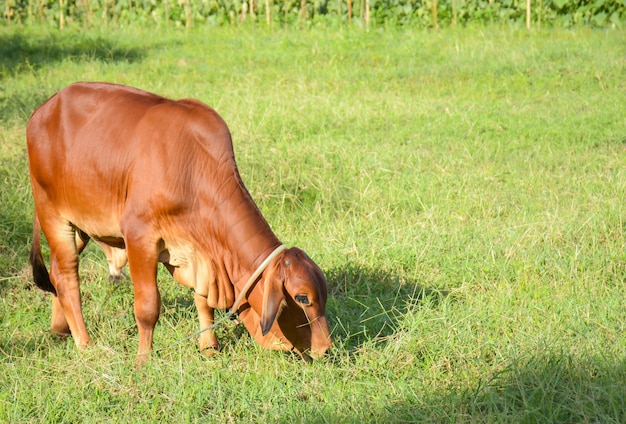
{"x": 245, "y": 237}
{"x": 247, "y": 256}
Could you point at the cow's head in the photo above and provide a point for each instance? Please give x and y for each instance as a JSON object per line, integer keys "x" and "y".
{"x": 292, "y": 313}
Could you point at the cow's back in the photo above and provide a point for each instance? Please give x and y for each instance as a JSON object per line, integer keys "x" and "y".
{"x": 95, "y": 147}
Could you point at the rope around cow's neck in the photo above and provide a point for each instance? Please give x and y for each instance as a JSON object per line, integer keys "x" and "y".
{"x": 242, "y": 294}
{"x": 255, "y": 275}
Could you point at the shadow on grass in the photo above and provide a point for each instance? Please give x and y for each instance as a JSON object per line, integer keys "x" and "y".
{"x": 27, "y": 52}
{"x": 543, "y": 387}
{"x": 368, "y": 304}
{"x": 556, "y": 387}
{"x": 33, "y": 51}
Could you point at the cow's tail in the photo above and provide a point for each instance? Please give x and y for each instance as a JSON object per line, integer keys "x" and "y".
{"x": 40, "y": 272}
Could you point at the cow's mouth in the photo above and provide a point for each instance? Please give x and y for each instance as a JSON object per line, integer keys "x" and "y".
{"x": 305, "y": 355}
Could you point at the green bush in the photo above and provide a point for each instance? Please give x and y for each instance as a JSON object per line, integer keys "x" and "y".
{"x": 420, "y": 13}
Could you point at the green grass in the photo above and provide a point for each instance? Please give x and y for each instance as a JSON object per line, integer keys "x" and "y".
{"x": 463, "y": 191}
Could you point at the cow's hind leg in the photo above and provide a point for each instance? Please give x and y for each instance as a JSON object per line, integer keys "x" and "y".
{"x": 59, "y": 323}
{"x": 116, "y": 258}
{"x": 81, "y": 239}
{"x": 67, "y": 314}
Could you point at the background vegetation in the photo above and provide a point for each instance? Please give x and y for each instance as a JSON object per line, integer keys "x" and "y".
{"x": 463, "y": 191}
{"x": 420, "y": 13}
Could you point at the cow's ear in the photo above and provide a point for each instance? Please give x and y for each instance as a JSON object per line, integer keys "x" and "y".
{"x": 273, "y": 297}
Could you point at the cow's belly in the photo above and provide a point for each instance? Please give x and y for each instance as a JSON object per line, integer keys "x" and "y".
{"x": 104, "y": 229}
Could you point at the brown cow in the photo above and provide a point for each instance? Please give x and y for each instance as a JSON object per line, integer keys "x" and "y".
{"x": 158, "y": 178}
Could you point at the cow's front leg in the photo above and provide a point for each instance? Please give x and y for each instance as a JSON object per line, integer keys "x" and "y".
{"x": 206, "y": 315}
{"x": 142, "y": 262}
{"x": 147, "y": 310}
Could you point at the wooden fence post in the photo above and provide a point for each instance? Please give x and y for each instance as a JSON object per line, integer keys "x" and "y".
{"x": 349, "y": 12}
{"x": 166, "y": 6}
{"x": 527, "y": 14}
{"x": 304, "y": 13}
{"x": 7, "y": 12}
{"x": 339, "y": 10}
{"x": 40, "y": 11}
{"x": 61, "y": 15}
{"x": 86, "y": 6}
{"x": 454, "y": 12}
{"x": 187, "y": 14}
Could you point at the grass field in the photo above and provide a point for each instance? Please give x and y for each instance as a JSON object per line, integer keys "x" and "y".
{"x": 464, "y": 191}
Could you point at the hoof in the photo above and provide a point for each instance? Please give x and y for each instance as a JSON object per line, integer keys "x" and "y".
{"x": 141, "y": 359}
{"x": 210, "y": 352}
{"x": 60, "y": 336}
{"x": 116, "y": 279}
{"x": 61, "y": 331}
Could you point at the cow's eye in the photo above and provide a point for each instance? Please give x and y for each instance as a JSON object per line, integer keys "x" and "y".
{"x": 302, "y": 298}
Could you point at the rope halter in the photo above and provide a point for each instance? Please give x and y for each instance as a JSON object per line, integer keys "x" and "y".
{"x": 255, "y": 275}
